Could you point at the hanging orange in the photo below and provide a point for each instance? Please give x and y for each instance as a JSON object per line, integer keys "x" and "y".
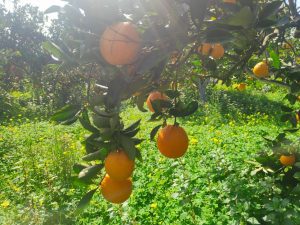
{"x": 261, "y": 69}
{"x": 241, "y": 86}
{"x": 120, "y": 44}
{"x": 217, "y": 51}
{"x": 172, "y": 141}
{"x": 205, "y": 49}
{"x": 116, "y": 191}
{"x": 118, "y": 165}
{"x": 155, "y": 95}
{"x": 287, "y": 160}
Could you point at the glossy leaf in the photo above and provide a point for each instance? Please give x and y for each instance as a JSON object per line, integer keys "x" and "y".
{"x": 128, "y": 146}
{"x": 186, "y": 110}
{"x": 276, "y": 59}
{"x": 133, "y": 126}
{"x": 67, "y": 113}
{"x": 172, "y": 93}
{"x": 90, "y": 172}
{"x": 243, "y": 18}
{"x": 86, "y": 199}
{"x": 98, "y": 155}
{"x": 270, "y": 9}
{"x": 154, "y": 132}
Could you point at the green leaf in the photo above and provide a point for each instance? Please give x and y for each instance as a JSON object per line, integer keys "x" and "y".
{"x": 106, "y": 133}
{"x": 154, "y": 132}
{"x": 172, "y": 93}
{"x": 86, "y": 123}
{"x": 186, "y": 110}
{"x": 52, "y": 9}
{"x": 90, "y": 172}
{"x": 54, "y": 50}
{"x": 293, "y": 130}
{"x": 159, "y": 104}
{"x": 253, "y": 220}
{"x": 138, "y": 155}
{"x": 100, "y": 121}
{"x": 286, "y": 109}
{"x": 151, "y": 60}
{"x": 218, "y": 35}
{"x": 285, "y": 117}
{"x": 155, "y": 116}
{"x": 295, "y": 87}
{"x": 276, "y": 60}
{"x": 133, "y": 126}
{"x": 98, "y": 155}
{"x": 297, "y": 176}
{"x": 243, "y": 18}
{"x": 281, "y": 137}
{"x": 78, "y": 167}
{"x": 137, "y": 141}
{"x": 198, "y": 10}
{"x": 140, "y": 100}
{"x": 67, "y": 113}
{"x": 86, "y": 199}
{"x": 270, "y": 9}
{"x": 129, "y": 146}
{"x": 131, "y": 133}
{"x": 291, "y": 98}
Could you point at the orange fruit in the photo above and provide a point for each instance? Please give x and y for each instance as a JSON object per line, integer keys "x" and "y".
{"x": 120, "y": 44}
{"x": 204, "y": 49}
{"x": 155, "y": 95}
{"x": 287, "y": 160}
{"x": 230, "y": 1}
{"x": 118, "y": 165}
{"x": 217, "y": 51}
{"x": 115, "y": 191}
{"x": 172, "y": 141}
{"x": 261, "y": 69}
{"x": 241, "y": 86}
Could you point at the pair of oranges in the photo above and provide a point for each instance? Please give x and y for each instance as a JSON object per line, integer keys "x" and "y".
{"x": 214, "y": 50}
{"x": 116, "y": 186}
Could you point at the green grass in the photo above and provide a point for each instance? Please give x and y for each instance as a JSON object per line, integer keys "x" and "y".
{"x": 212, "y": 184}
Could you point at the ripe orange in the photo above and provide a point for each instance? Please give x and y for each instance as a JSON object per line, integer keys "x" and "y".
{"x": 261, "y": 69}
{"x": 242, "y": 86}
{"x": 155, "y": 95}
{"x": 172, "y": 141}
{"x": 230, "y": 1}
{"x": 118, "y": 165}
{"x": 287, "y": 160}
{"x": 120, "y": 44}
{"x": 116, "y": 191}
{"x": 204, "y": 49}
{"x": 217, "y": 51}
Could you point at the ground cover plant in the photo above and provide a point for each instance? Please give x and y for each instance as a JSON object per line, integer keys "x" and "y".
{"x": 220, "y": 186}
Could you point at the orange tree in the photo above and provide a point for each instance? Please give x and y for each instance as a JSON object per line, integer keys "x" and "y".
{"x": 136, "y": 48}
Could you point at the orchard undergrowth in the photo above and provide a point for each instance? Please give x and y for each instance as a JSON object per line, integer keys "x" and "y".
{"x": 212, "y": 184}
